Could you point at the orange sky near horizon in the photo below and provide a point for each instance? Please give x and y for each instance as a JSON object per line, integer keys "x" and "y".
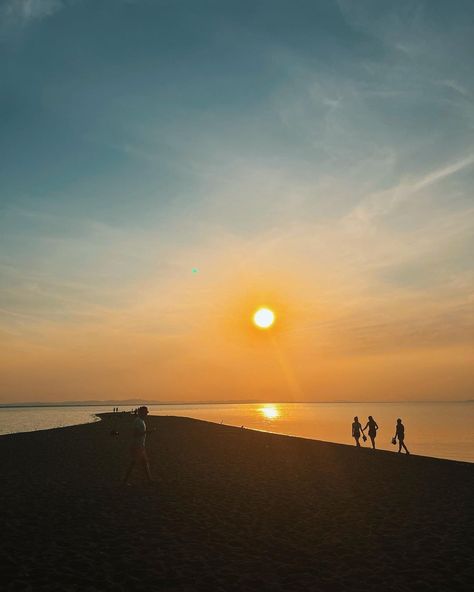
{"x": 319, "y": 349}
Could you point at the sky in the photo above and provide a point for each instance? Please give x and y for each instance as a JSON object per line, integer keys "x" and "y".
{"x": 168, "y": 166}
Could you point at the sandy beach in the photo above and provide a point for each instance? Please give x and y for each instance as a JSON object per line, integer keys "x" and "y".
{"x": 231, "y": 509}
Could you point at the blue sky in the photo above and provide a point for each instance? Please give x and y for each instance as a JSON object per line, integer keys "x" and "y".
{"x": 326, "y": 141}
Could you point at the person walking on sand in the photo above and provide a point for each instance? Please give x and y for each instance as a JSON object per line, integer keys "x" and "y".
{"x": 137, "y": 448}
{"x": 356, "y": 430}
{"x": 400, "y": 434}
{"x": 373, "y": 427}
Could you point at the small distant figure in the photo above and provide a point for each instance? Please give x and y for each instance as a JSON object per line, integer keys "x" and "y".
{"x": 356, "y": 430}
{"x": 400, "y": 434}
{"x": 373, "y": 427}
{"x": 137, "y": 449}
{"x": 115, "y": 433}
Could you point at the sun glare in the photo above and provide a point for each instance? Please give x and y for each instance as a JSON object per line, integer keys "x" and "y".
{"x": 270, "y": 412}
{"x": 264, "y": 318}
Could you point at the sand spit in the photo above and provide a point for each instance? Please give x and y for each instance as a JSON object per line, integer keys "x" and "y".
{"x": 231, "y": 510}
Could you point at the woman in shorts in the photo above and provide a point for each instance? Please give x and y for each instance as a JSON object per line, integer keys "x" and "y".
{"x": 373, "y": 427}
{"x": 356, "y": 430}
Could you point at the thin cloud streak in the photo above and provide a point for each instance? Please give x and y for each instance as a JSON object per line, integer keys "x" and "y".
{"x": 24, "y": 11}
{"x": 442, "y": 173}
{"x": 382, "y": 203}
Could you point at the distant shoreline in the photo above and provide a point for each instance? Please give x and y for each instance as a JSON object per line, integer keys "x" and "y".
{"x": 241, "y": 402}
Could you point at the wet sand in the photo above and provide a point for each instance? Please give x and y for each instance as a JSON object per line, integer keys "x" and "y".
{"x": 231, "y": 509}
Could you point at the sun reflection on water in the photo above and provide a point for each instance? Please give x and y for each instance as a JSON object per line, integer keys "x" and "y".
{"x": 270, "y": 411}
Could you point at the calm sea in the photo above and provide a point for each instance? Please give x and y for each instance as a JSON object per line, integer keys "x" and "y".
{"x": 443, "y": 430}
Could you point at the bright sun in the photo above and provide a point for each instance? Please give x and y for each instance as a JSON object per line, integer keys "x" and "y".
{"x": 264, "y": 318}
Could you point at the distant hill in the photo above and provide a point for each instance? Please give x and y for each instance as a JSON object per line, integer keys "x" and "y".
{"x": 137, "y": 402}
{"x": 122, "y": 403}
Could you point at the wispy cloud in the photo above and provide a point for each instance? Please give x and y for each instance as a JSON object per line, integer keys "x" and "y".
{"x": 443, "y": 172}
{"x": 456, "y": 86}
{"x": 382, "y": 203}
{"x": 18, "y": 11}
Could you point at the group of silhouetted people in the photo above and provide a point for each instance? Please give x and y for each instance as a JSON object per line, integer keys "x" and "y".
{"x": 372, "y": 427}
{"x": 140, "y": 457}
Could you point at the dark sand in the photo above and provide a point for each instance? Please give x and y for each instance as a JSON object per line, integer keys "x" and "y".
{"x": 232, "y": 510}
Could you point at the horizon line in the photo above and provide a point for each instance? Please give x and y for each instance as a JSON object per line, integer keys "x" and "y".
{"x": 131, "y": 402}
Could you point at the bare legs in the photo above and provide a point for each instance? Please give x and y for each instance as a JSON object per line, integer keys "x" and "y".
{"x": 141, "y": 459}
{"x": 372, "y": 439}
{"x": 401, "y": 444}
{"x": 129, "y": 471}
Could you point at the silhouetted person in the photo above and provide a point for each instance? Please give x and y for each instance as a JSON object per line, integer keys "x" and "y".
{"x": 373, "y": 427}
{"x": 400, "y": 434}
{"x": 356, "y": 430}
{"x": 137, "y": 449}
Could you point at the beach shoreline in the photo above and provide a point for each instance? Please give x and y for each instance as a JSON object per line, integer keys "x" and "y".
{"x": 231, "y": 509}
{"x": 450, "y": 438}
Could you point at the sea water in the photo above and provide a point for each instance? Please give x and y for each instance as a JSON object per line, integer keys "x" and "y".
{"x": 443, "y": 430}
